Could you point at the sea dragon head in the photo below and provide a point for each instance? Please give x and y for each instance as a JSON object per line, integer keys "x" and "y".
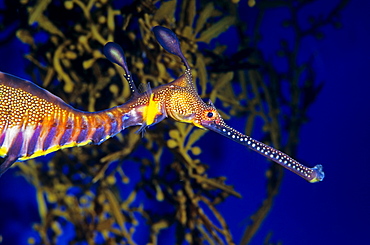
{"x": 180, "y": 101}
{"x": 183, "y": 102}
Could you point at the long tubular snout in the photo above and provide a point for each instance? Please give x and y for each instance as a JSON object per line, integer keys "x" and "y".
{"x": 312, "y": 175}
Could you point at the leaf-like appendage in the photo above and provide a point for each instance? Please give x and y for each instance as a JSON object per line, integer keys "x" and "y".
{"x": 114, "y": 54}
{"x": 169, "y": 41}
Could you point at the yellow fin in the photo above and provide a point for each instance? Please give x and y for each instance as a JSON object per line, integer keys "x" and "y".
{"x": 152, "y": 111}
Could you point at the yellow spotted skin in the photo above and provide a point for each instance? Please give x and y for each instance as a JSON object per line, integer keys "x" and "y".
{"x": 30, "y": 109}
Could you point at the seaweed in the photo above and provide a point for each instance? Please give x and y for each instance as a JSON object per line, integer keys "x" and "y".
{"x": 91, "y": 188}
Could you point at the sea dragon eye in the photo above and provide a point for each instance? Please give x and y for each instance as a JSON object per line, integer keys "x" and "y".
{"x": 210, "y": 114}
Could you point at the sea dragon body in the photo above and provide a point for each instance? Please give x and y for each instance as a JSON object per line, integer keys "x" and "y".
{"x": 34, "y": 122}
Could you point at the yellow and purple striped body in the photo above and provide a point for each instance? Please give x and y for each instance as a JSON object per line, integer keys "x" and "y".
{"x": 34, "y": 122}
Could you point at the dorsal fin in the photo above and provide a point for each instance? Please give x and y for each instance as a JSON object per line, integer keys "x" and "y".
{"x": 115, "y": 54}
{"x": 145, "y": 88}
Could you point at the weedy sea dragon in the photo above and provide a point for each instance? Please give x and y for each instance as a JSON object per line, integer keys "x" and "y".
{"x": 34, "y": 122}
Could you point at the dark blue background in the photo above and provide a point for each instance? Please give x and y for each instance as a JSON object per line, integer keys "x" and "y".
{"x": 335, "y": 211}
